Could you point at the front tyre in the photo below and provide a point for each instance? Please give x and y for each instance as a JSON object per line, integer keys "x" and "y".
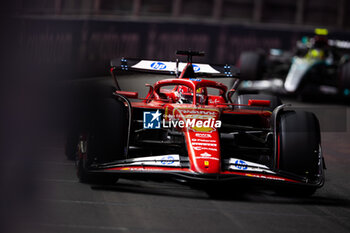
{"x": 299, "y": 147}
{"x": 103, "y": 141}
{"x": 83, "y": 162}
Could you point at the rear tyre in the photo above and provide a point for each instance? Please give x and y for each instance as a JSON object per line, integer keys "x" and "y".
{"x": 82, "y": 164}
{"x": 299, "y": 144}
{"x": 244, "y": 99}
{"x": 251, "y": 65}
{"x": 70, "y": 147}
{"x": 105, "y": 140}
{"x": 108, "y": 133}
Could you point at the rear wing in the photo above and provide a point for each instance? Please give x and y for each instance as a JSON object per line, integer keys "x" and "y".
{"x": 174, "y": 68}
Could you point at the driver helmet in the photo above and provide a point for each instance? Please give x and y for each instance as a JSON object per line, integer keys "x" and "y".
{"x": 187, "y": 97}
{"x": 320, "y": 42}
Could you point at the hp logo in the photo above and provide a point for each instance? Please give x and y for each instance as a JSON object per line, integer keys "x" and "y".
{"x": 158, "y": 65}
{"x": 196, "y": 68}
{"x": 240, "y": 164}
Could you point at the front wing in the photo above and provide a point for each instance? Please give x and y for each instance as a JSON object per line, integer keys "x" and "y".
{"x": 176, "y": 167}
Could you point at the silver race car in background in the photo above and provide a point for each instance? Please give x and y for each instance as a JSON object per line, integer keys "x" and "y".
{"x": 318, "y": 67}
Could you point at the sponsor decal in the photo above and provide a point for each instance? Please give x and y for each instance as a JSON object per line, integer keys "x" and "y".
{"x": 234, "y": 161}
{"x": 197, "y": 148}
{"x": 200, "y": 112}
{"x": 237, "y": 164}
{"x": 158, "y": 66}
{"x": 196, "y": 68}
{"x": 203, "y": 144}
{"x": 171, "y": 66}
{"x": 196, "y": 79}
{"x": 254, "y": 169}
{"x": 151, "y": 120}
{"x": 201, "y": 120}
{"x": 240, "y": 164}
{"x": 215, "y": 101}
{"x": 167, "y": 160}
{"x": 206, "y": 154}
{"x": 202, "y": 140}
{"x": 266, "y": 177}
{"x": 160, "y": 160}
{"x": 141, "y": 169}
{"x": 203, "y": 135}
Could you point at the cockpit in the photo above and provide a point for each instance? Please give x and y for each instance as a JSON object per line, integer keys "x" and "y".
{"x": 187, "y": 91}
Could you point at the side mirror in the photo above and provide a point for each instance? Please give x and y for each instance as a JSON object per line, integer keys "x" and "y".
{"x": 129, "y": 94}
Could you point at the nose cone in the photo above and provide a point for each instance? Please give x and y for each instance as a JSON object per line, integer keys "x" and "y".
{"x": 202, "y": 139}
{"x": 204, "y": 151}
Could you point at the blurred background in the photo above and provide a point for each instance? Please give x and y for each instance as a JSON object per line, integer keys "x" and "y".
{"x": 79, "y": 37}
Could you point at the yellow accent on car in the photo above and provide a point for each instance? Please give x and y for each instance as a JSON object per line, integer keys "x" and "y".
{"x": 166, "y": 113}
{"x": 321, "y": 31}
{"x": 315, "y": 53}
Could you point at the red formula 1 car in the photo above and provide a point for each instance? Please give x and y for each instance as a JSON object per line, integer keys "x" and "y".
{"x": 193, "y": 129}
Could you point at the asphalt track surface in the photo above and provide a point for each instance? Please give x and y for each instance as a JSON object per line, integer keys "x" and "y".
{"x": 145, "y": 206}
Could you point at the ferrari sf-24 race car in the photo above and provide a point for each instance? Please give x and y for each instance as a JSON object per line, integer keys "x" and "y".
{"x": 193, "y": 129}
